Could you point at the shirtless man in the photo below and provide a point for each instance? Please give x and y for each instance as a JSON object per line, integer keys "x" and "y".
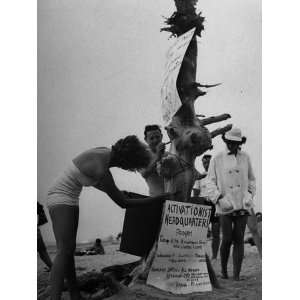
{"x": 153, "y": 137}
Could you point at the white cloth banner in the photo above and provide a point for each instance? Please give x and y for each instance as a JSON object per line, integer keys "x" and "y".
{"x": 179, "y": 265}
{"x": 169, "y": 94}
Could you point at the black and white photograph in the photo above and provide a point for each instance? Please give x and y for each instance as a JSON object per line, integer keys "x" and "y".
{"x": 149, "y": 149}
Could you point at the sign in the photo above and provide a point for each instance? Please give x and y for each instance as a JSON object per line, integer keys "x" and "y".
{"x": 169, "y": 94}
{"x": 179, "y": 265}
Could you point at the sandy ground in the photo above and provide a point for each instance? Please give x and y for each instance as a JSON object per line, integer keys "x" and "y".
{"x": 248, "y": 288}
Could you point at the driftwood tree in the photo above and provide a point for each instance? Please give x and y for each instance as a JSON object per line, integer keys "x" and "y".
{"x": 188, "y": 135}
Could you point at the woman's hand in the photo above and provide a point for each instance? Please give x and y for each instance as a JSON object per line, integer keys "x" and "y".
{"x": 225, "y": 204}
{"x": 170, "y": 196}
{"x": 248, "y": 200}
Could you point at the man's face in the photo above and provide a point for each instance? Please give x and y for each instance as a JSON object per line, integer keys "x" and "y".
{"x": 153, "y": 138}
{"x": 205, "y": 162}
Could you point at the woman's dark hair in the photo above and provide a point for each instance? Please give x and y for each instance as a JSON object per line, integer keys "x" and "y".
{"x": 151, "y": 128}
{"x": 130, "y": 154}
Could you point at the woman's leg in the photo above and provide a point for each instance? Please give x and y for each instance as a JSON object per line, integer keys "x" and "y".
{"x": 239, "y": 225}
{"x": 65, "y": 222}
{"x": 226, "y": 226}
{"x": 215, "y": 226}
{"x": 70, "y": 275}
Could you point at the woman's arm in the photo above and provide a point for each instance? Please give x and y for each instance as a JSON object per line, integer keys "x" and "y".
{"x": 135, "y": 202}
{"x": 211, "y": 183}
{"x": 251, "y": 179}
{"x": 107, "y": 185}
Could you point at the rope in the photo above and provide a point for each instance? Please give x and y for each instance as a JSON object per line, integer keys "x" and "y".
{"x": 181, "y": 160}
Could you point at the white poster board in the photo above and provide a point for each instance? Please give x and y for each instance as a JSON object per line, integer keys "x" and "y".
{"x": 179, "y": 265}
{"x": 169, "y": 94}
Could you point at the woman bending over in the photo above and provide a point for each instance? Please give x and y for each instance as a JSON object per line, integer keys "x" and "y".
{"x": 90, "y": 168}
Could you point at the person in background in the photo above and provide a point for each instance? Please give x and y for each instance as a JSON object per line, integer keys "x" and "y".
{"x": 231, "y": 186}
{"x": 255, "y": 229}
{"x": 259, "y": 217}
{"x": 252, "y": 239}
{"x": 259, "y": 223}
{"x": 90, "y": 168}
{"x": 41, "y": 247}
{"x": 200, "y": 190}
{"x": 98, "y": 247}
{"x": 119, "y": 236}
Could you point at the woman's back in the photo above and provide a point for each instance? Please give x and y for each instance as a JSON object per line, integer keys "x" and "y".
{"x": 93, "y": 163}
{"x": 85, "y": 170}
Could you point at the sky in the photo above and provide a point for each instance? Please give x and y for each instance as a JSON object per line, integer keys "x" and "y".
{"x": 100, "y": 70}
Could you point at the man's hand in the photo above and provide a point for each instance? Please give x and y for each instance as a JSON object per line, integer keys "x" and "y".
{"x": 160, "y": 150}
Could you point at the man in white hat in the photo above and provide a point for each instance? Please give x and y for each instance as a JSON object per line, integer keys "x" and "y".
{"x": 231, "y": 187}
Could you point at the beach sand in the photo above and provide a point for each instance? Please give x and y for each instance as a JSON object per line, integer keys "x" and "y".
{"x": 248, "y": 288}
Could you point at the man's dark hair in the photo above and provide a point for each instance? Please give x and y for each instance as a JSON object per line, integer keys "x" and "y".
{"x": 151, "y": 128}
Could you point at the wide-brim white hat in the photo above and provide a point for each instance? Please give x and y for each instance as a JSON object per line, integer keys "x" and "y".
{"x": 235, "y": 134}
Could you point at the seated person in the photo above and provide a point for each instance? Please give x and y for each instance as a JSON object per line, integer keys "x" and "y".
{"x": 97, "y": 248}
